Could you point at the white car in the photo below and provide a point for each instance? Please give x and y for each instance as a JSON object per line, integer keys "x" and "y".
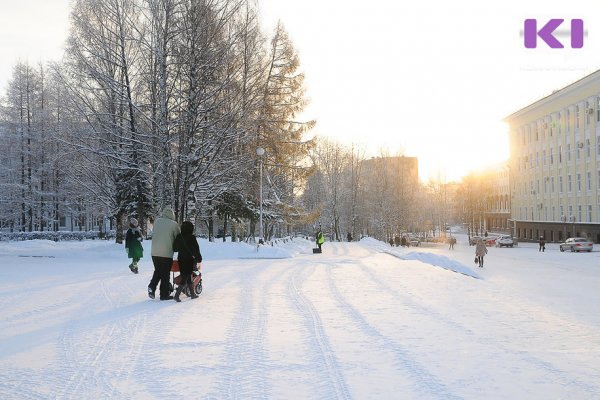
{"x": 414, "y": 240}
{"x": 576, "y": 244}
{"x": 505, "y": 241}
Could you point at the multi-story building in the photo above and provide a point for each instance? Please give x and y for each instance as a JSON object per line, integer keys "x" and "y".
{"x": 497, "y": 201}
{"x": 554, "y": 167}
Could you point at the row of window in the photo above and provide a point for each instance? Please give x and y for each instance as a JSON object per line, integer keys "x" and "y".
{"x": 549, "y": 158}
{"x": 583, "y": 214}
{"x": 548, "y": 184}
{"x": 565, "y": 119}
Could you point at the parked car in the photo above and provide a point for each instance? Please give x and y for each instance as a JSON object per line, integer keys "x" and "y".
{"x": 490, "y": 241}
{"x": 414, "y": 240}
{"x": 505, "y": 241}
{"x": 576, "y": 244}
{"x": 473, "y": 240}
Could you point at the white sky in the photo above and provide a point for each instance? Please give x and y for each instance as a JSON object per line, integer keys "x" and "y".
{"x": 432, "y": 79}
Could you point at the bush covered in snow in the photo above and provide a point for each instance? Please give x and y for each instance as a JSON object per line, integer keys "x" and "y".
{"x": 55, "y": 236}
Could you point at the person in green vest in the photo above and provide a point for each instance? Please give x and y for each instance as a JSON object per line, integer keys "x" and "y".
{"x": 320, "y": 239}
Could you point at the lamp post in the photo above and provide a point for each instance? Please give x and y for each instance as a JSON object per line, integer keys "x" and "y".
{"x": 260, "y": 152}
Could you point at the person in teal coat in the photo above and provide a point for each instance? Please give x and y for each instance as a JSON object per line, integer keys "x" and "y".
{"x": 133, "y": 244}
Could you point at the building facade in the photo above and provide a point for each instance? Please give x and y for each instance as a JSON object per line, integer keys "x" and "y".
{"x": 497, "y": 213}
{"x": 554, "y": 168}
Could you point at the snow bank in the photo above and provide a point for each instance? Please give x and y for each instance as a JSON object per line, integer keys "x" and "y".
{"x": 436, "y": 260}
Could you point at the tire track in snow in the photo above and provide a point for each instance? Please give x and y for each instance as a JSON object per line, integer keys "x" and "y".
{"x": 427, "y": 383}
{"x": 333, "y": 385}
{"x": 94, "y": 364}
{"x": 559, "y": 375}
{"x": 243, "y": 375}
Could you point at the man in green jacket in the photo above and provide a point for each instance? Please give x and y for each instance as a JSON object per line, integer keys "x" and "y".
{"x": 165, "y": 231}
{"x": 320, "y": 239}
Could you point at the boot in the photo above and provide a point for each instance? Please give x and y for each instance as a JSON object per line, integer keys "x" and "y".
{"x": 192, "y": 291}
{"x": 177, "y": 293}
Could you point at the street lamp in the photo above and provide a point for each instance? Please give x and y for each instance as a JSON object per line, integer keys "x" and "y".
{"x": 260, "y": 152}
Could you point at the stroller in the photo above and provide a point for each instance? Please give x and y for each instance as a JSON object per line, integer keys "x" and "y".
{"x": 196, "y": 279}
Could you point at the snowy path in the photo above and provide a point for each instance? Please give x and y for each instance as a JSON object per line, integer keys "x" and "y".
{"x": 359, "y": 321}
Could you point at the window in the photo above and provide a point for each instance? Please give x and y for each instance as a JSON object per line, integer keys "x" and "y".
{"x": 544, "y": 157}
{"x": 587, "y": 113}
{"x": 589, "y": 181}
{"x": 579, "y": 182}
{"x": 568, "y": 121}
{"x": 560, "y": 153}
{"x": 579, "y": 214}
{"x": 589, "y": 213}
{"x": 588, "y": 148}
{"x": 551, "y": 157}
{"x": 545, "y": 185}
{"x": 531, "y": 187}
{"x": 569, "y": 152}
{"x": 560, "y": 184}
{"x": 577, "y": 116}
{"x": 552, "y": 184}
{"x": 569, "y": 183}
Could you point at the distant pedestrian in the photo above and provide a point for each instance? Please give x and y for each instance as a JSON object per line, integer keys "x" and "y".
{"x": 480, "y": 251}
{"x": 349, "y": 236}
{"x": 165, "y": 231}
{"x": 397, "y": 241}
{"x": 320, "y": 239}
{"x": 452, "y": 243}
{"x": 188, "y": 256}
{"x": 542, "y": 244}
{"x": 133, "y": 244}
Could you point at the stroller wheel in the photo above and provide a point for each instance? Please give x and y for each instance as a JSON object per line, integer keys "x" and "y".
{"x": 198, "y": 288}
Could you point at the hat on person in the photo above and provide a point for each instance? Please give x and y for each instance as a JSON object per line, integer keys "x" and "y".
{"x": 133, "y": 222}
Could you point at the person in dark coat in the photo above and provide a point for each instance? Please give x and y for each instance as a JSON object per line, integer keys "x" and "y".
{"x": 542, "y": 244}
{"x": 188, "y": 257}
{"x": 133, "y": 245}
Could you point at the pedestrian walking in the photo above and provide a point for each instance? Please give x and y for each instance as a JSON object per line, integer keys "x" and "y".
{"x": 452, "y": 243}
{"x": 188, "y": 257}
{"x": 133, "y": 244}
{"x": 165, "y": 231}
{"x": 480, "y": 251}
{"x": 320, "y": 239}
{"x": 542, "y": 244}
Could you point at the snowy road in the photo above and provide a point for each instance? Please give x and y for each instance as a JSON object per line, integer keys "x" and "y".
{"x": 360, "y": 321}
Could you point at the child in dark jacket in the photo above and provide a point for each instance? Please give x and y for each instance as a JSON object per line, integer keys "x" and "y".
{"x": 133, "y": 245}
{"x": 188, "y": 256}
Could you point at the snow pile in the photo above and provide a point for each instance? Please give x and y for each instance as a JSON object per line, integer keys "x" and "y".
{"x": 281, "y": 248}
{"x": 436, "y": 260}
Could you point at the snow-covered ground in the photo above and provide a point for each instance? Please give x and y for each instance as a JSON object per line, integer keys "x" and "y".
{"x": 362, "y": 321}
